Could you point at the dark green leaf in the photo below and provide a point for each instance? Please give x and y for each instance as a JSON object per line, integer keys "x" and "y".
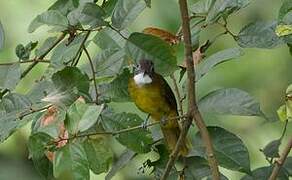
{"x": 290, "y": 48}
{"x": 108, "y": 7}
{"x": 288, "y": 165}
{"x": 229, "y": 149}
{"x": 148, "y": 3}
{"x": 223, "y": 8}
{"x": 45, "y": 46}
{"x": 259, "y": 35}
{"x": 263, "y": 173}
{"x": 285, "y": 9}
{"x": 11, "y": 107}
{"x": 271, "y": 150}
{"x": 215, "y": 59}
{"x": 230, "y": 101}
{"x": 71, "y": 159}
{"x": 21, "y": 52}
{"x": 37, "y": 145}
{"x": 117, "y": 90}
{"x": 9, "y": 76}
{"x": 2, "y": 36}
{"x": 202, "y": 6}
{"x": 99, "y": 155}
{"x": 126, "y": 12}
{"x": 81, "y": 116}
{"x": 64, "y": 6}
{"x": 138, "y": 140}
{"x": 108, "y": 38}
{"x": 51, "y": 18}
{"x": 123, "y": 160}
{"x": 144, "y": 46}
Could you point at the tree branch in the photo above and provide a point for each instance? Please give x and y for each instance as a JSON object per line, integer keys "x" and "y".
{"x": 23, "y": 62}
{"x": 78, "y": 53}
{"x": 193, "y": 111}
{"x": 279, "y": 163}
{"x": 180, "y": 99}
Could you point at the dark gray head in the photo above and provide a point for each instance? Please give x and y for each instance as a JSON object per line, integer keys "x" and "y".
{"x": 145, "y": 66}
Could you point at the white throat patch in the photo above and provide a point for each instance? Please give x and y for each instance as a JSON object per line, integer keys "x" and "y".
{"x": 141, "y": 79}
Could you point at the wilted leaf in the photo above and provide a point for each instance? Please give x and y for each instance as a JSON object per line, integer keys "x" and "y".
{"x": 259, "y": 35}
{"x": 283, "y": 30}
{"x": 230, "y": 101}
{"x": 126, "y": 12}
{"x": 215, "y": 59}
{"x": 9, "y": 76}
{"x": 51, "y": 18}
{"x": 99, "y": 155}
{"x": 2, "y": 36}
{"x": 202, "y": 6}
{"x": 263, "y": 173}
{"x": 138, "y": 140}
{"x": 163, "y": 34}
{"x": 109, "y": 39}
{"x": 71, "y": 160}
{"x": 230, "y": 151}
{"x": 271, "y": 150}
{"x": 142, "y": 46}
{"x": 122, "y": 161}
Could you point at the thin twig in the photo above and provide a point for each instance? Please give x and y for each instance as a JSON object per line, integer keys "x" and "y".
{"x": 119, "y": 32}
{"x": 176, "y": 89}
{"x": 23, "y": 62}
{"x": 279, "y": 163}
{"x": 93, "y": 73}
{"x": 193, "y": 111}
{"x": 77, "y": 56}
{"x": 31, "y": 111}
{"x": 227, "y": 30}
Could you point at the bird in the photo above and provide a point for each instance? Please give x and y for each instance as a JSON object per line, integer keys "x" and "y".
{"x": 152, "y": 95}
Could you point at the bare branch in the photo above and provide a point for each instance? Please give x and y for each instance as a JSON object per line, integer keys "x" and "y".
{"x": 24, "y": 62}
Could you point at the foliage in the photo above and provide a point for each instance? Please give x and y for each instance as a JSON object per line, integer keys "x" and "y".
{"x": 70, "y": 106}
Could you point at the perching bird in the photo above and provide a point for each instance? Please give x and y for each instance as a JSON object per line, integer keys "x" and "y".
{"x": 152, "y": 95}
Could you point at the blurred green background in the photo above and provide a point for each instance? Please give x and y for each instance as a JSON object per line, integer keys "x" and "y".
{"x": 263, "y": 73}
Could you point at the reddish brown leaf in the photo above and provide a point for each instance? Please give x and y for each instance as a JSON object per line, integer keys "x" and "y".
{"x": 163, "y": 34}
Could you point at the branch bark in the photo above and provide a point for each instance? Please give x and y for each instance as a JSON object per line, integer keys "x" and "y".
{"x": 279, "y": 163}
{"x": 193, "y": 112}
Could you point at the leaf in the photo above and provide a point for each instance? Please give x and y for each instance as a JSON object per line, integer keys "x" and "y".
{"x": 284, "y": 10}
{"x": 259, "y": 35}
{"x": 117, "y": 90}
{"x": 64, "y": 6}
{"x": 215, "y": 59}
{"x": 71, "y": 159}
{"x": 126, "y": 11}
{"x": 148, "y": 3}
{"x": 23, "y": 52}
{"x": 108, "y": 7}
{"x": 201, "y": 7}
{"x": 122, "y": 161}
{"x": 138, "y": 140}
{"x": 230, "y": 101}
{"x": 263, "y": 173}
{"x": 230, "y": 151}
{"x": 99, "y": 155}
{"x": 162, "y": 34}
{"x": 50, "y": 18}
{"x": 109, "y": 39}
{"x": 283, "y": 30}
{"x": 81, "y": 116}
{"x": 288, "y": 165}
{"x": 11, "y": 107}
{"x": 142, "y": 46}
{"x": 9, "y": 76}
{"x": 223, "y": 8}
{"x": 37, "y": 145}
{"x": 2, "y": 36}
{"x": 271, "y": 150}
{"x": 45, "y": 46}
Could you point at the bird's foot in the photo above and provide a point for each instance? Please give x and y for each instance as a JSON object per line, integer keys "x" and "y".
{"x": 144, "y": 125}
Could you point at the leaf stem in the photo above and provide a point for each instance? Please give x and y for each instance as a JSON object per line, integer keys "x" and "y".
{"x": 78, "y": 53}
{"x": 180, "y": 99}
{"x": 23, "y": 62}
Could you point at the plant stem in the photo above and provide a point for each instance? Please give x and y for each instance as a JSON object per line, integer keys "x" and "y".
{"x": 23, "y": 62}
{"x": 193, "y": 111}
{"x": 176, "y": 89}
{"x": 78, "y": 53}
{"x": 279, "y": 163}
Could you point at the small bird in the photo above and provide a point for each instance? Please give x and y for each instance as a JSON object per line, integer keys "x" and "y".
{"x": 152, "y": 95}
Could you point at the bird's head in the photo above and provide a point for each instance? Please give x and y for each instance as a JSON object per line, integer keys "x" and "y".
{"x": 144, "y": 72}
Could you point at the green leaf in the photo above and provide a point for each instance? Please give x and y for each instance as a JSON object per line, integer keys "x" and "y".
{"x": 11, "y": 107}
{"x": 148, "y": 3}
{"x": 223, "y": 8}
{"x": 87, "y": 14}
{"x": 271, "y": 150}
{"x": 230, "y": 101}
{"x": 202, "y": 6}
{"x": 37, "y": 145}
{"x": 65, "y": 53}
{"x": 215, "y": 59}
{"x": 284, "y": 10}
{"x": 259, "y": 35}
{"x": 117, "y": 90}
{"x": 108, "y": 7}
{"x": 45, "y": 46}
{"x": 2, "y": 36}
{"x": 9, "y": 76}
{"x": 230, "y": 151}
{"x": 288, "y": 165}
{"x": 81, "y": 116}
{"x": 71, "y": 160}
{"x": 99, "y": 155}
{"x": 23, "y": 52}
{"x": 122, "y": 161}
{"x": 108, "y": 38}
{"x": 283, "y": 30}
{"x": 64, "y": 6}
{"x": 282, "y": 113}
{"x": 50, "y": 18}
{"x": 143, "y": 46}
{"x": 126, "y": 11}
{"x": 138, "y": 140}
{"x": 263, "y": 173}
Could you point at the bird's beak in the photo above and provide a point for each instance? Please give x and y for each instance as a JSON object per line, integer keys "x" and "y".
{"x": 144, "y": 73}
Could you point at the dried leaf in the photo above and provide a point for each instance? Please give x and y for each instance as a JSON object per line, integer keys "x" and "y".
{"x": 197, "y": 58}
{"x": 163, "y": 34}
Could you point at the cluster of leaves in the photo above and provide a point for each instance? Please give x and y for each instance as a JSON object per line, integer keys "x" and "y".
{"x": 70, "y": 105}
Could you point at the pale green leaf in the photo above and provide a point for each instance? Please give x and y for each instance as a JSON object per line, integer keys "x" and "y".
{"x": 283, "y": 30}
{"x": 202, "y": 6}
{"x": 9, "y": 76}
